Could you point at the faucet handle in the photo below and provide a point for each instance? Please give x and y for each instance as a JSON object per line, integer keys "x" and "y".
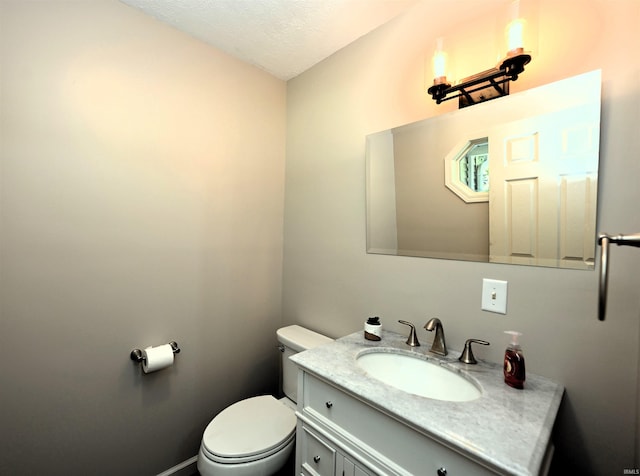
{"x": 412, "y": 340}
{"x": 467, "y": 354}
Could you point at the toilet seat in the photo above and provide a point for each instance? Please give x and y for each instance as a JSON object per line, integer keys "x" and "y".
{"x": 272, "y": 426}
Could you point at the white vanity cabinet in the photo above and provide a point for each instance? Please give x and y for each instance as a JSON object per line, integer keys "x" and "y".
{"x": 353, "y": 424}
{"x": 338, "y": 434}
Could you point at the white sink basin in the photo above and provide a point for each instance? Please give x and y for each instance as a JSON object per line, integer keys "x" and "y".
{"x": 418, "y": 376}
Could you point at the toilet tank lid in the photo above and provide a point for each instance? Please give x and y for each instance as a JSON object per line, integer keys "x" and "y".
{"x": 299, "y": 338}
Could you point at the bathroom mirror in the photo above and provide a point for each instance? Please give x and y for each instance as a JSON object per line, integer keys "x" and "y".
{"x": 512, "y": 180}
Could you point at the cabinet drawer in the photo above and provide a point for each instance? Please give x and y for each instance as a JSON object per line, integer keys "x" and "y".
{"x": 318, "y": 457}
{"x": 329, "y": 402}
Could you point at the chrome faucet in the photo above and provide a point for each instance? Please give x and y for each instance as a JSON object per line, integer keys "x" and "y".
{"x": 438, "y": 346}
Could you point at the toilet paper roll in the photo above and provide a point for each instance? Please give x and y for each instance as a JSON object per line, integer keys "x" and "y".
{"x": 157, "y": 358}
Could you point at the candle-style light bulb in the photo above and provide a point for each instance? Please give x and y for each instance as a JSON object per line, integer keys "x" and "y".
{"x": 439, "y": 64}
{"x": 515, "y": 37}
{"x": 515, "y": 30}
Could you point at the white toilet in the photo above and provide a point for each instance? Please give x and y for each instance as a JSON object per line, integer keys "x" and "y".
{"x": 255, "y": 436}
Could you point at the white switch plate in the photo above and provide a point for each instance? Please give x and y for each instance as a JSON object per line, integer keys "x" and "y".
{"x": 494, "y": 296}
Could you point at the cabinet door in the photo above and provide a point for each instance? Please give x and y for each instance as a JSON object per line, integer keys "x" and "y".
{"x": 349, "y": 468}
{"x": 318, "y": 458}
{"x": 344, "y": 467}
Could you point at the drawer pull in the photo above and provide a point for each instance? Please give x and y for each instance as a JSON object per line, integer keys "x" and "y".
{"x": 329, "y": 404}
{"x": 442, "y": 472}
{"x": 316, "y": 459}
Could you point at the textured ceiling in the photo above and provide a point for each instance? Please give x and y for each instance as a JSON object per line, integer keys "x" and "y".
{"x": 282, "y": 37}
{"x": 287, "y": 37}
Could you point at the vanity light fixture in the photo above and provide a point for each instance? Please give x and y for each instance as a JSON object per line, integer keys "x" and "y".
{"x": 490, "y": 84}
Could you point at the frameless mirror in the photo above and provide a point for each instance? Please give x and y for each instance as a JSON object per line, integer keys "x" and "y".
{"x": 512, "y": 180}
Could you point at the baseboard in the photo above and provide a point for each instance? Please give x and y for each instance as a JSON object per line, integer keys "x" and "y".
{"x": 186, "y": 468}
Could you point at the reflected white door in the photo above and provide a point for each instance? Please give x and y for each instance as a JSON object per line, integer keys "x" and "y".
{"x": 540, "y": 168}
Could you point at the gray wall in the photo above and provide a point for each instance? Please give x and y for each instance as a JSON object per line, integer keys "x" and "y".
{"x": 332, "y": 285}
{"x": 432, "y": 219}
{"x": 141, "y": 182}
{"x": 142, "y": 188}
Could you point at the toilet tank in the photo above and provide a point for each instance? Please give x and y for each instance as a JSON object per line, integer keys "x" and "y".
{"x": 294, "y": 339}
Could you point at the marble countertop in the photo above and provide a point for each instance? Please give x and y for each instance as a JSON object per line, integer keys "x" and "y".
{"x": 506, "y": 428}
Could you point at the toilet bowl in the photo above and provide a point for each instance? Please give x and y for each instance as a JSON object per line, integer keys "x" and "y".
{"x": 256, "y": 436}
{"x": 251, "y": 437}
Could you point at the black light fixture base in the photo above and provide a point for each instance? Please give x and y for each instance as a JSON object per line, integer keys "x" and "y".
{"x": 482, "y": 87}
{"x": 439, "y": 92}
{"x": 490, "y": 84}
{"x": 513, "y": 65}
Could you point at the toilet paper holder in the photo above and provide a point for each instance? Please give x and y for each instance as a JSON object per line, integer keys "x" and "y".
{"x": 136, "y": 354}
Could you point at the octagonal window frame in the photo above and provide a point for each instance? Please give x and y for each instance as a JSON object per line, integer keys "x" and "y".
{"x": 452, "y": 171}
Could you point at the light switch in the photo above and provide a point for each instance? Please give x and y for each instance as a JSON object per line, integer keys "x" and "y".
{"x": 494, "y": 296}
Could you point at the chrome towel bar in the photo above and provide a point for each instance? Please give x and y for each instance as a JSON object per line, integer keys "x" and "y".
{"x": 604, "y": 239}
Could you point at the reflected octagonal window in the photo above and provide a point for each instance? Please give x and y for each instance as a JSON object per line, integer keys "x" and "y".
{"x": 467, "y": 170}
